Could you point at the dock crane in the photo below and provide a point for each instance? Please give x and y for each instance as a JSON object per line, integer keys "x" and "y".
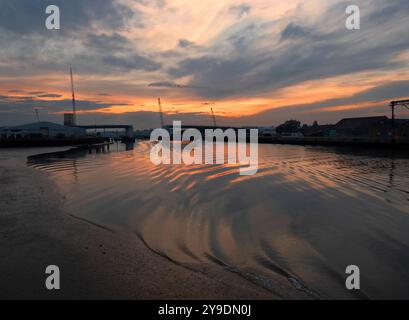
{"x": 37, "y": 115}
{"x": 214, "y": 118}
{"x": 394, "y": 104}
{"x": 162, "y": 122}
{"x": 74, "y": 111}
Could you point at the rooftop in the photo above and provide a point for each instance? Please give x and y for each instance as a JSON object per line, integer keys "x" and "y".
{"x": 364, "y": 122}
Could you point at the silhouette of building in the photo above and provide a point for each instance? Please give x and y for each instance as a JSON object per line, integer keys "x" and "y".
{"x": 42, "y": 130}
{"x": 317, "y": 130}
{"x": 362, "y": 127}
{"x": 367, "y": 127}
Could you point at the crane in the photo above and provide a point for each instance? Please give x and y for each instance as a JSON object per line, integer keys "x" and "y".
{"x": 162, "y": 123}
{"x": 37, "y": 115}
{"x": 214, "y": 118}
{"x": 74, "y": 111}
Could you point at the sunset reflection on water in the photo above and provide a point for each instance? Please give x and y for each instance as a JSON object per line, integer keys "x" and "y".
{"x": 307, "y": 214}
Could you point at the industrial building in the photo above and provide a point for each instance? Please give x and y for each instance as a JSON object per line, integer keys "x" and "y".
{"x": 365, "y": 127}
{"x": 42, "y": 130}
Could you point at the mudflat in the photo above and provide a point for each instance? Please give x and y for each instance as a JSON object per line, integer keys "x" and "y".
{"x": 95, "y": 262}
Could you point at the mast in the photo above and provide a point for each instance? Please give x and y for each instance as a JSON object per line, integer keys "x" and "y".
{"x": 162, "y": 123}
{"x": 37, "y": 115}
{"x": 214, "y": 118}
{"x": 74, "y": 111}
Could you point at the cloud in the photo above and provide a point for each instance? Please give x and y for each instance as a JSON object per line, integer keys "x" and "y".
{"x": 229, "y": 51}
{"x": 293, "y": 31}
{"x": 164, "y": 84}
{"x": 374, "y": 98}
{"x": 89, "y": 38}
{"x": 183, "y": 43}
{"x": 49, "y": 95}
{"x": 27, "y": 16}
{"x": 317, "y": 54}
{"x": 240, "y": 10}
{"x": 21, "y": 107}
{"x": 105, "y": 41}
{"x": 134, "y": 62}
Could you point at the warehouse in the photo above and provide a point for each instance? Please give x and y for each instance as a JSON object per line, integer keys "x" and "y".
{"x": 41, "y": 130}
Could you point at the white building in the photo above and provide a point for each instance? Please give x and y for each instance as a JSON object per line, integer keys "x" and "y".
{"x": 267, "y": 132}
{"x": 41, "y": 130}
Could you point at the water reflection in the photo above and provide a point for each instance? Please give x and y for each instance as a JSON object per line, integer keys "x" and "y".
{"x": 306, "y": 215}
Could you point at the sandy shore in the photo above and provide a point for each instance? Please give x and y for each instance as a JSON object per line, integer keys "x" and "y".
{"x": 95, "y": 263}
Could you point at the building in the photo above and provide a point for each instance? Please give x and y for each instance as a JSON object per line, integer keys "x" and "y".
{"x": 267, "y": 132}
{"x": 41, "y": 130}
{"x": 143, "y": 134}
{"x": 402, "y": 128}
{"x": 69, "y": 119}
{"x": 380, "y": 127}
{"x": 317, "y": 130}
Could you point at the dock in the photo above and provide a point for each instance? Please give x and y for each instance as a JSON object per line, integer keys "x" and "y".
{"x": 51, "y": 142}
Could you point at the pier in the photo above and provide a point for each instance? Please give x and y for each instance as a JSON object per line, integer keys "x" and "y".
{"x": 97, "y": 147}
{"x": 129, "y": 131}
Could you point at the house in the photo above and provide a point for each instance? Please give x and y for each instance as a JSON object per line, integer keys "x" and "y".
{"x": 317, "y": 130}
{"x": 41, "y": 130}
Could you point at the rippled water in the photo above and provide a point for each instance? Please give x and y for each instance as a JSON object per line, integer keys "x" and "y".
{"x": 306, "y": 215}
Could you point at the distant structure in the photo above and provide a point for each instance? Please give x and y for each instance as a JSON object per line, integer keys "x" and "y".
{"x": 37, "y": 115}
{"x": 70, "y": 119}
{"x": 129, "y": 135}
{"x": 42, "y": 130}
{"x": 143, "y": 134}
{"x": 363, "y": 127}
{"x": 394, "y": 104}
{"x": 267, "y": 132}
{"x": 317, "y": 130}
{"x": 162, "y": 122}
{"x": 214, "y": 118}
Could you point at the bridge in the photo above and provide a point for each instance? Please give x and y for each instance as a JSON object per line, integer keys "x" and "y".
{"x": 129, "y": 132}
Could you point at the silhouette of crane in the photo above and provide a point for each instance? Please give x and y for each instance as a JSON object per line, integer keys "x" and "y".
{"x": 214, "y": 118}
{"x": 74, "y": 111}
{"x": 37, "y": 115}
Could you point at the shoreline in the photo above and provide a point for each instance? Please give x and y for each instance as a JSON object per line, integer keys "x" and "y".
{"x": 95, "y": 262}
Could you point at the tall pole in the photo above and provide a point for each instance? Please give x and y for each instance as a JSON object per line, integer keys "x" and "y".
{"x": 393, "y": 121}
{"x": 402, "y": 103}
{"x": 162, "y": 122}
{"x": 74, "y": 111}
{"x": 37, "y": 115}
{"x": 214, "y": 118}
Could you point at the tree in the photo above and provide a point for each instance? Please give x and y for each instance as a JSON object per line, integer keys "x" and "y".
{"x": 290, "y": 126}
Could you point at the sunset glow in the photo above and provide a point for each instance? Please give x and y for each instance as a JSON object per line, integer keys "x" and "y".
{"x": 241, "y": 59}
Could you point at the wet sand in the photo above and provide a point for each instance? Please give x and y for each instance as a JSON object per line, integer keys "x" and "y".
{"x": 95, "y": 263}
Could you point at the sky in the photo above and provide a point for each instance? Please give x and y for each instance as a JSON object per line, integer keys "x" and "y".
{"x": 257, "y": 62}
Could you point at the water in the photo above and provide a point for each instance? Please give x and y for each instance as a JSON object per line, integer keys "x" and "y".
{"x": 306, "y": 215}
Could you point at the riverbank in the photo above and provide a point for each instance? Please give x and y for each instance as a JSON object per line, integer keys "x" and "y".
{"x": 385, "y": 143}
{"x": 95, "y": 262}
{"x": 51, "y": 142}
